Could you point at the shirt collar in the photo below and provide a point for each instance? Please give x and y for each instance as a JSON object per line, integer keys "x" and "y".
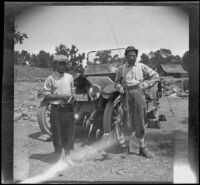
{"x": 58, "y": 74}
{"x": 127, "y": 65}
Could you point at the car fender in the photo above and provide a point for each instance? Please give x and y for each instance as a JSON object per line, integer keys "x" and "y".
{"x": 109, "y": 91}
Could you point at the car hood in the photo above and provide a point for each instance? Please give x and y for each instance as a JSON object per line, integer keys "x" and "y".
{"x": 101, "y": 81}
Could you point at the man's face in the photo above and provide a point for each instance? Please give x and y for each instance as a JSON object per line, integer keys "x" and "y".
{"x": 60, "y": 67}
{"x": 131, "y": 57}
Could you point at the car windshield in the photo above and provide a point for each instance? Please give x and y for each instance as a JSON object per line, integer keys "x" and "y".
{"x": 104, "y": 61}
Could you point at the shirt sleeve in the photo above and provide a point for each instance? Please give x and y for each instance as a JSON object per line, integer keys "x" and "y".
{"x": 150, "y": 76}
{"x": 72, "y": 85}
{"x": 48, "y": 86}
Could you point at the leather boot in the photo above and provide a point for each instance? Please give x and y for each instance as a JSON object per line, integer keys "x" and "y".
{"x": 145, "y": 153}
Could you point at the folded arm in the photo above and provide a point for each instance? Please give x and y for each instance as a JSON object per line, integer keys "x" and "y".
{"x": 151, "y": 76}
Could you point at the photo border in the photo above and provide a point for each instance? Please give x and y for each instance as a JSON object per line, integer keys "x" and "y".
{"x": 12, "y": 9}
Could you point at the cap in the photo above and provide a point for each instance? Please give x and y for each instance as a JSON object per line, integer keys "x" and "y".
{"x": 60, "y": 58}
{"x": 130, "y": 48}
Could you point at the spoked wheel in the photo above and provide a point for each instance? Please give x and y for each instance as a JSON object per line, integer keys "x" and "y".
{"x": 112, "y": 120}
{"x": 92, "y": 125}
{"x": 44, "y": 117}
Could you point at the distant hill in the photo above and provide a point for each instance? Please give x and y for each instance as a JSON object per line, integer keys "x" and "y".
{"x": 25, "y": 73}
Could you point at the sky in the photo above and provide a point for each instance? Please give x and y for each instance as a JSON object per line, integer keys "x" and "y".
{"x": 148, "y": 28}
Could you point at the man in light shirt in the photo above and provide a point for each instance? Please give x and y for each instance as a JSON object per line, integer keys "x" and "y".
{"x": 58, "y": 88}
{"x": 132, "y": 78}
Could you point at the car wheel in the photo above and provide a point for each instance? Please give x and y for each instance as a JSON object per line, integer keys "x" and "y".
{"x": 112, "y": 118}
{"x": 44, "y": 117}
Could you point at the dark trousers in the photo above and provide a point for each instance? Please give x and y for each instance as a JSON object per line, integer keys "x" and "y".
{"x": 61, "y": 119}
{"x": 135, "y": 115}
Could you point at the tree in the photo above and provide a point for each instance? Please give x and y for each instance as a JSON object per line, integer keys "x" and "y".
{"x": 19, "y": 37}
{"x": 45, "y": 59}
{"x": 161, "y": 56}
{"x": 176, "y": 60}
{"x": 165, "y": 52}
{"x": 145, "y": 59}
{"x": 186, "y": 60}
{"x": 117, "y": 61}
{"x": 21, "y": 57}
{"x": 103, "y": 57}
{"x": 62, "y": 50}
{"x": 25, "y": 56}
{"x": 34, "y": 61}
{"x": 75, "y": 58}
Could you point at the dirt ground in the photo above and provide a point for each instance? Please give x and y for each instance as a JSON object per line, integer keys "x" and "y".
{"x": 33, "y": 155}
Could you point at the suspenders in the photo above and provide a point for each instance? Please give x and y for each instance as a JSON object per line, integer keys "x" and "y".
{"x": 122, "y": 78}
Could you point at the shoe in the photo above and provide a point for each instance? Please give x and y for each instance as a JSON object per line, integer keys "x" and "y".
{"x": 126, "y": 152}
{"x": 145, "y": 153}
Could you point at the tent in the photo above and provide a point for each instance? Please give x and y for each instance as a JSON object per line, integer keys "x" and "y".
{"x": 175, "y": 70}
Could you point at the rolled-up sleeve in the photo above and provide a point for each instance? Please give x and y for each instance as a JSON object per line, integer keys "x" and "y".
{"x": 72, "y": 85}
{"x": 48, "y": 86}
{"x": 151, "y": 76}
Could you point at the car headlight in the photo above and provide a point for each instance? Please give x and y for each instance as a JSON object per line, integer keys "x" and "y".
{"x": 94, "y": 92}
{"x": 76, "y": 116}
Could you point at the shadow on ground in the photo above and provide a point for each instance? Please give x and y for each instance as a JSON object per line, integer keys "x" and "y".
{"x": 80, "y": 135}
{"x": 38, "y": 136}
{"x": 162, "y": 144}
{"x": 50, "y": 158}
{"x": 165, "y": 144}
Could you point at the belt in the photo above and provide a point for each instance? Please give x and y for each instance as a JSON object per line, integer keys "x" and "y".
{"x": 133, "y": 87}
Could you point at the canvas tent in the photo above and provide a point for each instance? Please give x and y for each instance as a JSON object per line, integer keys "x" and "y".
{"x": 175, "y": 70}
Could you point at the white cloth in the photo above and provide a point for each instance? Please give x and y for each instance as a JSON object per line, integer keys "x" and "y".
{"x": 60, "y": 58}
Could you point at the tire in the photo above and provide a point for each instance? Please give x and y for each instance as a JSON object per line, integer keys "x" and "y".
{"x": 95, "y": 120}
{"x": 109, "y": 129}
{"x": 107, "y": 117}
{"x": 43, "y": 117}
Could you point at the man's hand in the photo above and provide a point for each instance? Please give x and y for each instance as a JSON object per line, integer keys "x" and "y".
{"x": 119, "y": 88}
{"x": 144, "y": 85}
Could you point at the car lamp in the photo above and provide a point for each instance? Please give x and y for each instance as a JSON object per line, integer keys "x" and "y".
{"x": 94, "y": 92}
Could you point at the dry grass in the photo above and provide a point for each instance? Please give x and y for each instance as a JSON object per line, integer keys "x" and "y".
{"x": 24, "y": 73}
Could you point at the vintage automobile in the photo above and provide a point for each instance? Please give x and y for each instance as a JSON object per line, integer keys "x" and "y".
{"x": 97, "y": 104}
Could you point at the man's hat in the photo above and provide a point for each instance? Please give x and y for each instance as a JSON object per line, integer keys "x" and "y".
{"x": 130, "y": 48}
{"x": 60, "y": 58}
